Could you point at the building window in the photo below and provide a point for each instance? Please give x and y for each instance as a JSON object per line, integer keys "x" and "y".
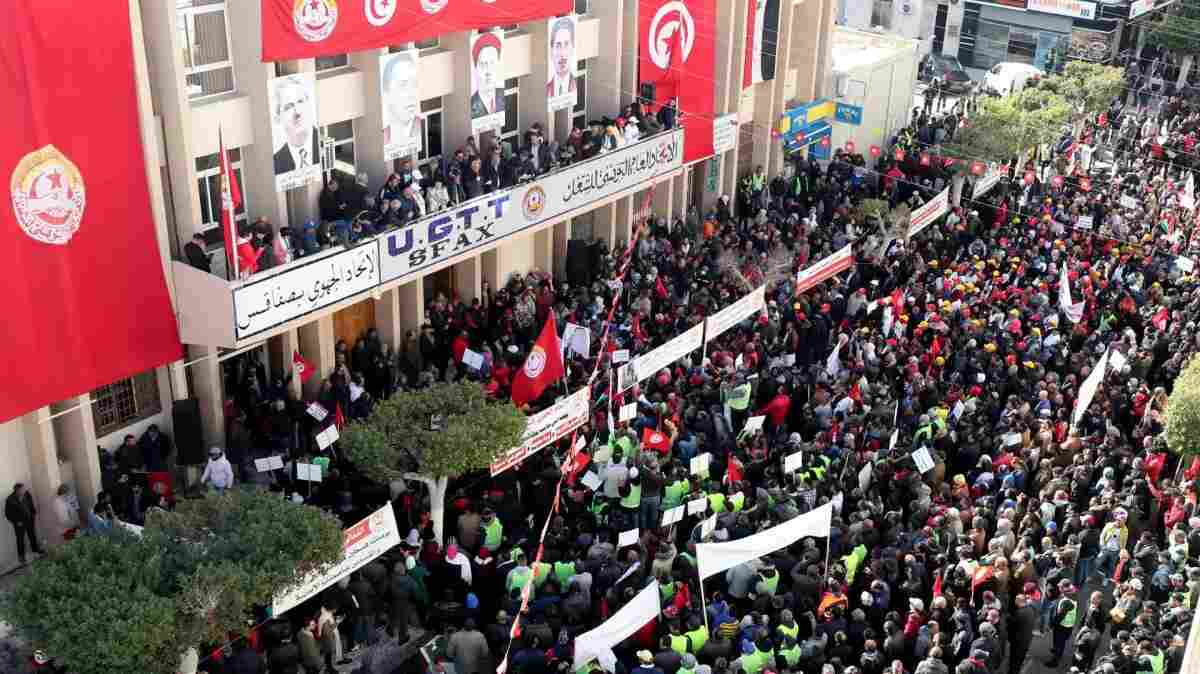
{"x": 512, "y": 121}
{"x": 583, "y": 6}
{"x": 339, "y": 147}
{"x": 430, "y": 156}
{"x": 331, "y": 62}
{"x": 579, "y": 112}
{"x": 204, "y": 34}
{"x": 123, "y": 402}
{"x": 208, "y": 181}
{"x": 881, "y": 14}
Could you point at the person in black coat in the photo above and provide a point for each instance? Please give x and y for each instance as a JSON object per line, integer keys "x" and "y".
{"x": 196, "y": 254}
{"x": 1021, "y": 625}
{"x": 402, "y": 592}
{"x": 21, "y": 512}
{"x": 245, "y": 660}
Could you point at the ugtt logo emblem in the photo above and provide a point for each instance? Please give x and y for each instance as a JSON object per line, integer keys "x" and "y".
{"x": 48, "y": 196}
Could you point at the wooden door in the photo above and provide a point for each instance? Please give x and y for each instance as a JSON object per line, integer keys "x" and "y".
{"x": 351, "y": 323}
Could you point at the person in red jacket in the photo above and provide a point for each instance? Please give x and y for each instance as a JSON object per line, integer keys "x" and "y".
{"x": 777, "y": 410}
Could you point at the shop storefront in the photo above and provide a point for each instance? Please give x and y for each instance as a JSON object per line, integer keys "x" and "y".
{"x": 993, "y": 34}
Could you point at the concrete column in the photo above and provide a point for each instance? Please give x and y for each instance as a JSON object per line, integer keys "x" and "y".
{"x": 206, "y": 384}
{"x": 456, "y": 105}
{"x": 368, "y": 129}
{"x": 624, "y": 219}
{"x": 604, "y": 78}
{"x": 75, "y": 433}
{"x": 291, "y": 344}
{"x": 543, "y": 247}
{"x": 44, "y": 472}
{"x": 411, "y": 300}
{"x": 468, "y": 278}
{"x": 680, "y": 187}
{"x": 387, "y": 318}
{"x": 177, "y": 376}
{"x": 604, "y": 224}
{"x": 490, "y": 265}
{"x": 532, "y": 97}
{"x": 663, "y": 199}
{"x": 954, "y": 22}
{"x": 317, "y": 346}
{"x": 258, "y": 159}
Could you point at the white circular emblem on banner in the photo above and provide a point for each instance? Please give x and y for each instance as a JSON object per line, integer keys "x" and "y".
{"x": 535, "y": 363}
{"x": 672, "y": 16}
{"x": 656, "y": 438}
{"x": 379, "y": 12}
{"x": 48, "y": 196}
{"x": 434, "y": 6}
{"x": 315, "y": 20}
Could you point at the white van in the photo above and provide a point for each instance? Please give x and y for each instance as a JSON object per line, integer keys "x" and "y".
{"x": 1007, "y": 77}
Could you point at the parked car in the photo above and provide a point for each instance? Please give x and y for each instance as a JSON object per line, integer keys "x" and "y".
{"x": 947, "y": 72}
{"x": 1008, "y": 78}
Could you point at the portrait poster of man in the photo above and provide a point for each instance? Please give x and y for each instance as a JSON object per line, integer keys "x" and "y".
{"x": 293, "y": 103}
{"x": 401, "y": 103}
{"x": 560, "y": 80}
{"x": 487, "y": 81}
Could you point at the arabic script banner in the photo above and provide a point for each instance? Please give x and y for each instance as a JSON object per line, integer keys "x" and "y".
{"x": 296, "y": 29}
{"x": 264, "y": 304}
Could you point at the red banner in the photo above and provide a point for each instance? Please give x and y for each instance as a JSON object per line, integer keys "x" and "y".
{"x": 295, "y": 29}
{"x": 675, "y": 44}
{"x": 85, "y": 301}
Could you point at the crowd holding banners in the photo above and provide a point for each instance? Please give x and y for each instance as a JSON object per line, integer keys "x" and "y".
{"x": 1087, "y": 530}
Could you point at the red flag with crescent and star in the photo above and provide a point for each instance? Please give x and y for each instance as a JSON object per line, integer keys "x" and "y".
{"x": 86, "y": 298}
{"x": 676, "y": 53}
{"x": 543, "y": 366}
{"x": 231, "y": 200}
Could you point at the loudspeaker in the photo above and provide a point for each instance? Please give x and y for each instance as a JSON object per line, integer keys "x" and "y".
{"x": 646, "y": 93}
{"x": 189, "y": 434}
{"x": 578, "y": 262}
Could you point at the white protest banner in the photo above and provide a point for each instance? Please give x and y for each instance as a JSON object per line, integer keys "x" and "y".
{"x": 735, "y": 313}
{"x": 924, "y": 216}
{"x": 887, "y": 320}
{"x": 473, "y": 359}
{"x": 309, "y": 472}
{"x": 1185, "y": 264}
{"x": 699, "y": 464}
{"x": 361, "y": 544}
{"x": 597, "y": 643}
{"x": 578, "y": 339}
{"x": 793, "y": 462}
{"x": 1012, "y": 439}
{"x": 648, "y": 365}
{"x": 754, "y": 423}
{"x": 626, "y": 377}
{"x": 864, "y": 476}
{"x": 1128, "y": 201}
{"x": 697, "y": 506}
{"x": 1116, "y": 361}
{"x": 986, "y": 183}
{"x": 1074, "y": 311}
{"x": 591, "y": 481}
{"x": 327, "y": 437}
{"x": 317, "y": 411}
{"x": 824, "y": 268}
{"x": 1085, "y": 222}
{"x": 1087, "y": 390}
{"x": 1188, "y": 198}
{"x": 628, "y": 411}
{"x": 894, "y": 439}
{"x": 262, "y": 465}
{"x": 620, "y": 356}
{"x": 923, "y": 460}
{"x": 628, "y": 538}
{"x": 959, "y": 408}
{"x": 713, "y": 558}
{"x": 673, "y": 515}
{"x": 547, "y": 426}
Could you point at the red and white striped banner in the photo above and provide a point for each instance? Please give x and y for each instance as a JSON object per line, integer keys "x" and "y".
{"x": 824, "y": 268}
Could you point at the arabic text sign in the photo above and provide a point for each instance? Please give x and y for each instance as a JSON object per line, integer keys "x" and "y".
{"x": 927, "y": 213}
{"x": 725, "y": 130}
{"x": 735, "y": 313}
{"x": 361, "y": 544}
{"x": 645, "y": 366}
{"x": 986, "y": 183}
{"x": 545, "y": 427}
{"x": 490, "y": 218}
{"x": 829, "y": 266}
{"x": 275, "y": 300}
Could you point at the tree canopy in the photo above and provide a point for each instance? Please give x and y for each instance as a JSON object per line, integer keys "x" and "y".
{"x": 124, "y": 603}
{"x": 1088, "y": 87}
{"x": 399, "y": 436}
{"x": 1183, "y": 412}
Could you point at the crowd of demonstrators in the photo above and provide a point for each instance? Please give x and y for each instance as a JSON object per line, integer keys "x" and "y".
{"x": 1028, "y": 533}
{"x": 349, "y": 213}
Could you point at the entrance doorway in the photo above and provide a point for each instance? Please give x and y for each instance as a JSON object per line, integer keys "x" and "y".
{"x": 352, "y": 323}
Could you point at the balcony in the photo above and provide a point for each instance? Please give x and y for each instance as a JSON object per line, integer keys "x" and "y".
{"x": 232, "y": 314}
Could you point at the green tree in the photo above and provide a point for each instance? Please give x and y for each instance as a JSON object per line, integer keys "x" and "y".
{"x": 401, "y": 440}
{"x": 1183, "y": 412}
{"x": 128, "y": 603}
{"x": 1178, "y": 29}
{"x": 1087, "y": 87}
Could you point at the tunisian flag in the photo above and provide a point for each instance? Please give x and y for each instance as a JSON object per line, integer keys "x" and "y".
{"x": 675, "y": 39}
{"x": 542, "y": 367}
{"x": 85, "y": 297}
{"x": 231, "y": 198}
{"x": 296, "y": 29}
{"x": 762, "y": 29}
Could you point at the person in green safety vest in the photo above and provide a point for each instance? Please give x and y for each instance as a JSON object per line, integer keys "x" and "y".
{"x": 631, "y": 498}
{"x": 519, "y": 576}
{"x": 789, "y": 650}
{"x": 716, "y": 502}
{"x": 788, "y": 628}
{"x": 541, "y": 573}
{"x": 564, "y": 571}
{"x": 697, "y": 633}
{"x": 736, "y": 501}
{"x": 1062, "y": 621}
{"x": 756, "y": 656}
{"x": 493, "y": 530}
{"x": 675, "y": 492}
{"x": 768, "y": 581}
{"x": 678, "y": 640}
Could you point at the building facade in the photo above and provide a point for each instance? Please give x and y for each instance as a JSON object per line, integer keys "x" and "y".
{"x": 201, "y": 78}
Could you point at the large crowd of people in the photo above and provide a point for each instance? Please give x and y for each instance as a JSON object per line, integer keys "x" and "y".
{"x": 1029, "y": 533}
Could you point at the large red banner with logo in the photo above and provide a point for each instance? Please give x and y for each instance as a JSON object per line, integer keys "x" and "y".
{"x": 675, "y": 45}
{"x": 295, "y": 29}
{"x": 85, "y": 303}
